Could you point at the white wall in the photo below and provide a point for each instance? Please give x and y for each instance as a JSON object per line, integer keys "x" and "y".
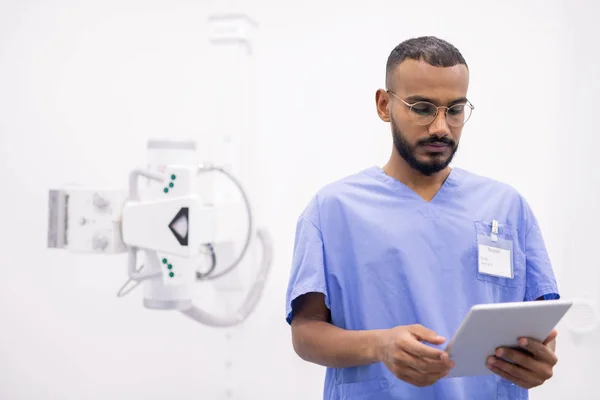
{"x": 577, "y": 184}
{"x": 83, "y": 85}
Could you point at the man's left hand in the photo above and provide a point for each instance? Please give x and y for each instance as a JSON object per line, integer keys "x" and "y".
{"x": 528, "y": 370}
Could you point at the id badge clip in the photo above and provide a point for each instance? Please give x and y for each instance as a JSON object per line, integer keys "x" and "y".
{"x": 494, "y": 234}
{"x": 495, "y": 254}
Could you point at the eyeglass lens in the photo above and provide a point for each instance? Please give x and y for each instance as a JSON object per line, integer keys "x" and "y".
{"x": 424, "y": 113}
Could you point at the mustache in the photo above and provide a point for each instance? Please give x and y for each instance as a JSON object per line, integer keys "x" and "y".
{"x": 436, "y": 140}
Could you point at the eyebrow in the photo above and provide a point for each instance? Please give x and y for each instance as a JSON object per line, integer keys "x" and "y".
{"x": 414, "y": 99}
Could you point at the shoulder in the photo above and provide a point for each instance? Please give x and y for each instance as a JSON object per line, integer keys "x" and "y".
{"x": 355, "y": 186}
{"x": 488, "y": 188}
{"x": 474, "y": 180}
{"x": 356, "y": 183}
{"x": 494, "y": 196}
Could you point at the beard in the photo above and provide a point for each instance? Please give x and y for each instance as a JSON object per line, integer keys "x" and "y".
{"x": 436, "y": 163}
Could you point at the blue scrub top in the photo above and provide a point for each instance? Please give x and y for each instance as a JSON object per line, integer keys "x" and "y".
{"x": 384, "y": 257}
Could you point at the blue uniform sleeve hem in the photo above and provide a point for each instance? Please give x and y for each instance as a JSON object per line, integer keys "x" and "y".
{"x": 299, "y": 292}
{"x": 546, "y": 292}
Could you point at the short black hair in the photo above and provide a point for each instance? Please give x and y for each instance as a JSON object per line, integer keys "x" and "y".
{"x": 432, "y": 50}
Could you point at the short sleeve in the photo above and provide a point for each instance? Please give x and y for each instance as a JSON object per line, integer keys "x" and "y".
{"x": 541, "y": 281}
{"x": 308, "y": 267}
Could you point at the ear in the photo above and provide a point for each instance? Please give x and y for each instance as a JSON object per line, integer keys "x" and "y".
{"x": 382, "y": 100}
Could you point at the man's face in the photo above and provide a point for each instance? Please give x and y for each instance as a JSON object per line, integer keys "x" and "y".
{"x": 426, "y": 148}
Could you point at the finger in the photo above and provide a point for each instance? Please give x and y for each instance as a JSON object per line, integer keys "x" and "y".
{"x": 426, "y": 335}
{"x": 421, "y": 350}
{"x": 515, "y": 372}
{"x": 518, "y": 357}
{"x": 425, "y": 365}
{"x": 415, "y": 380}
{"x": 539, "y": 350}
{"x": 509, "y": 377}
{"x": 404, "y": 359}
{"x": 402, "y": 376}
{"x": 419, "y": 379}
{"x": 439, "y": 366}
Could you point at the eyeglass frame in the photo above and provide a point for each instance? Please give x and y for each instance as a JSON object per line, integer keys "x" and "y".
{"x": 437, "y": 109}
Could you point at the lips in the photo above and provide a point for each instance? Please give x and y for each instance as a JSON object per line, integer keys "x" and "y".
{"x": 435, "y": 147}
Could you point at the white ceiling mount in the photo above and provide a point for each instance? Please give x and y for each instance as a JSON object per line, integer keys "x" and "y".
{"x": 232, "y": 28}
{"x": 583, "y": 317}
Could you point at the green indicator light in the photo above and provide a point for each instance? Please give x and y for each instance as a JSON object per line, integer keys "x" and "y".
{"x": 170, "y": 266}
{"x": 166, "y": 190}
{"x": 164, "y": 260}
{"x": 173, "y": 177}
{"x": 171, "y": 184}
{"x": 171, "y": 274}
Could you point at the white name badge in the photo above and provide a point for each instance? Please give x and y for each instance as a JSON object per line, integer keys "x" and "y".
{"x": 495, "y": 257}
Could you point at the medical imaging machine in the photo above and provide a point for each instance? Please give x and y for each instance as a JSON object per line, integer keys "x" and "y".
{"x": 167, "y": 220}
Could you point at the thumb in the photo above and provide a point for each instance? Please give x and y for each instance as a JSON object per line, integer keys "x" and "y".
{"x": 551, "y": 336}
{"x": 425, "y": 334}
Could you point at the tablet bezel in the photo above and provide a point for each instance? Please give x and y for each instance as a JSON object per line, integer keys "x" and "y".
{"x": 489, "y": 326}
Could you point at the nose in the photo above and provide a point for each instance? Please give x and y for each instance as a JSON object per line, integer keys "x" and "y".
{"x": 440, "y": 126}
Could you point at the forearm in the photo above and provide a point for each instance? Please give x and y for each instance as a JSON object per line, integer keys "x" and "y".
{"x": 325, "y": 344}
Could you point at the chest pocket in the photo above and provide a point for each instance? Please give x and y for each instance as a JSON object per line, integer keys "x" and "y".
{"x": 505, "y": 232}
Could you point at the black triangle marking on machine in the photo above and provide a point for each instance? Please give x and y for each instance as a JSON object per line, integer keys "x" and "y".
{"x": 182, "y": 217}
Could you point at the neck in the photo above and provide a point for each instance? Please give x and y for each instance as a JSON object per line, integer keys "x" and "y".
{"x": 425, "y": 185}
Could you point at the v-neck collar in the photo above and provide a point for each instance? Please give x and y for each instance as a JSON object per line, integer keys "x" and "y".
{"x": 449, "y": 184}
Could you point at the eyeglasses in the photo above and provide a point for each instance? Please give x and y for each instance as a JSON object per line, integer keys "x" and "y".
{"x": 424, "y": 112}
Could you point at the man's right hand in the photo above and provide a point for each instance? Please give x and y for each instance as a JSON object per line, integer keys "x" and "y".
{"x": 402, "y": 351}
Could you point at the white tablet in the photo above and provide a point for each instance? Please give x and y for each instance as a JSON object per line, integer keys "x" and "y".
{"x": 489, "y": 326}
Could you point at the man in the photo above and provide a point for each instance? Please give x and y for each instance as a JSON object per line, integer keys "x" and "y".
{"x": 386, "y": 265}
